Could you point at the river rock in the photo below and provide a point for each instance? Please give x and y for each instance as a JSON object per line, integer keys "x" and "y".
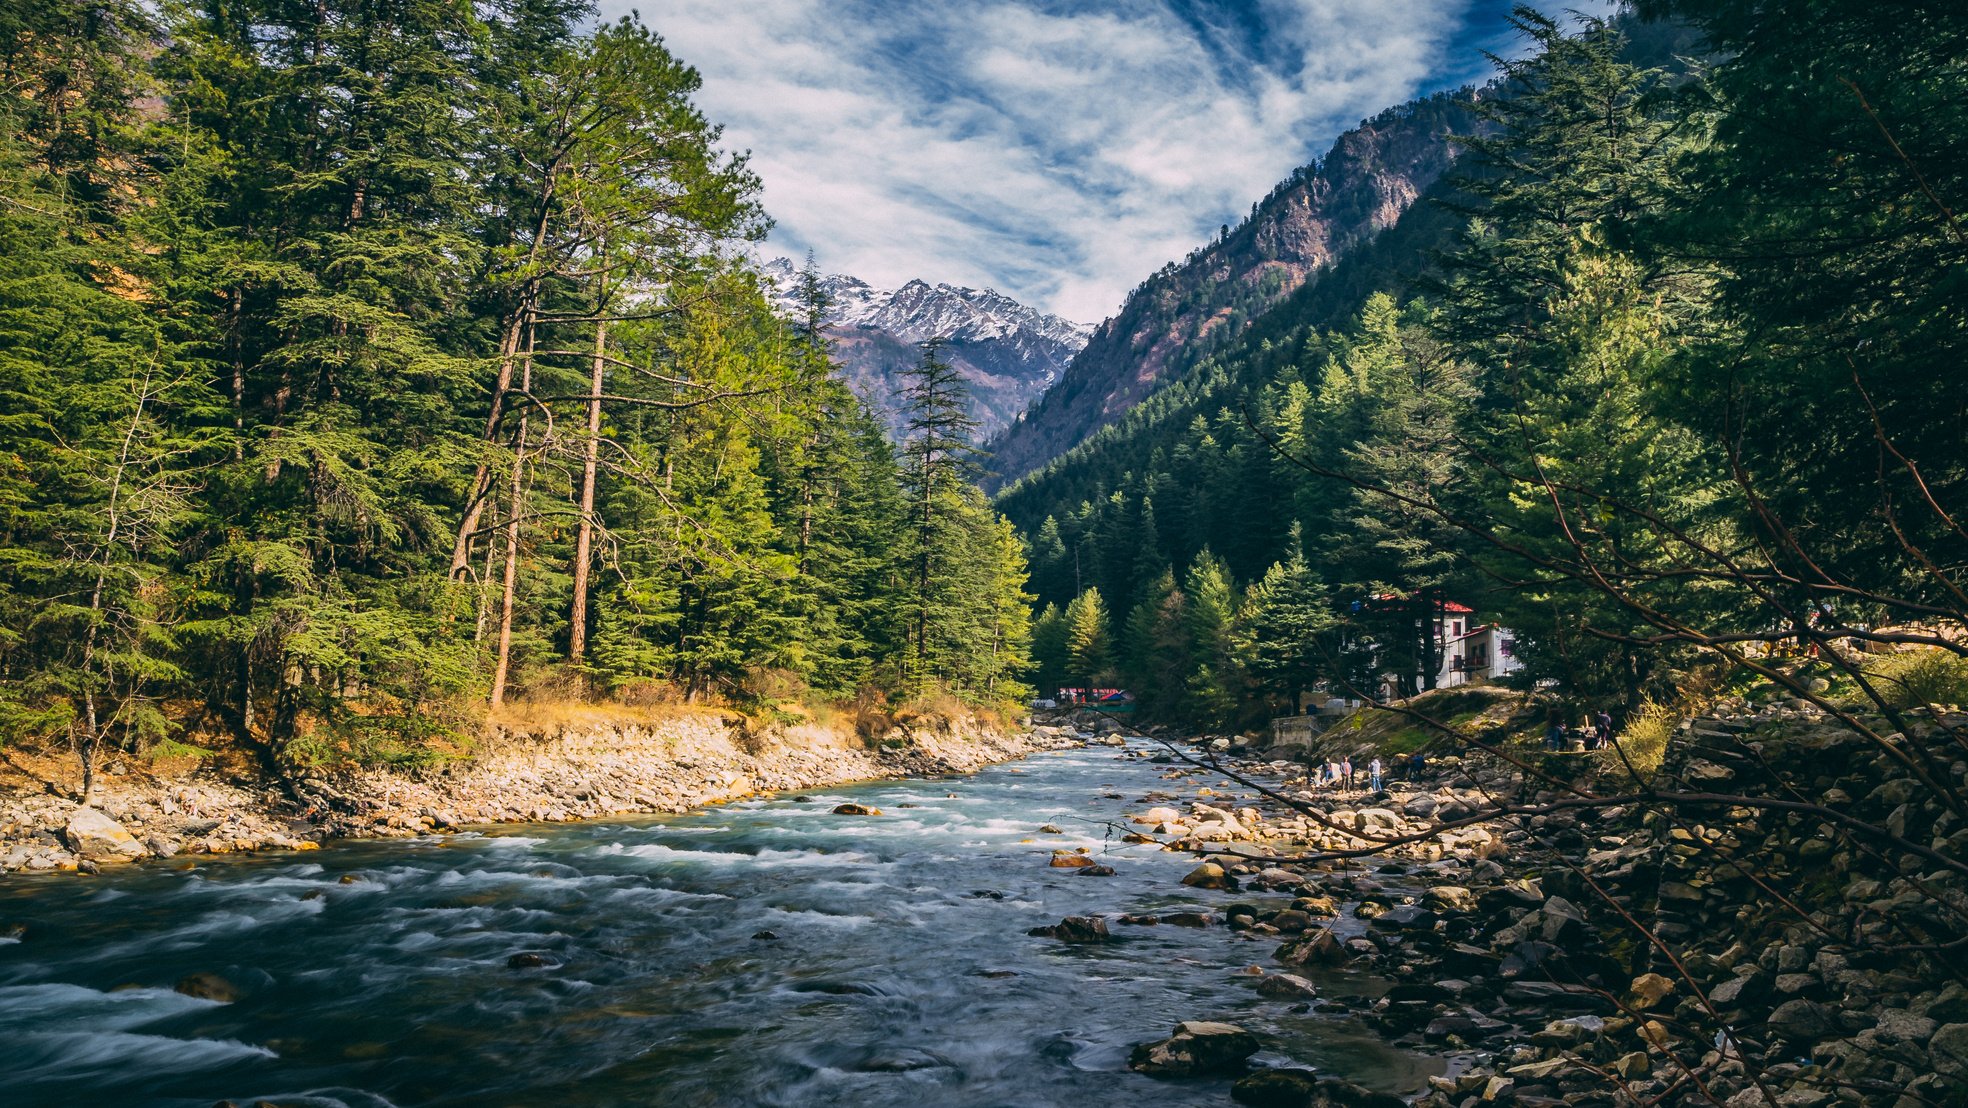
{"x": 1421, "y": 807}
{"x": 1648, "y": 990}
{"x": 1407, "y": 917}
{"x": 1075, "y": 929}
{"x": 1948, "y": 1049}
{"x": 1067, "y": 860}
{"x": 1274, "y": 877}
{"x": 1317, "y": 948}
{"x": 1097, "y": 871}
{"x": 1291, "y": 921}
{"x": 1286, "y": 986}
{"x": 1451, "y": 898}
{"x": 207, "y": 986}
{"x": 1189, "y": 919}
{"x": 95, "y": 836}
{"x": 1197, "y": 1048}
{"x": 1804, "y": 1021}
{"x": 1209, "y": 875}
{"x": 855, "y": 810}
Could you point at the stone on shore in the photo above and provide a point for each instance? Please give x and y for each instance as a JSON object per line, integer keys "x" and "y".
{"x": 99, "y": 838}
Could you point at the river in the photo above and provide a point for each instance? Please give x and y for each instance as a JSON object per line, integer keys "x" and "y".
{"x": 376, "y": 973}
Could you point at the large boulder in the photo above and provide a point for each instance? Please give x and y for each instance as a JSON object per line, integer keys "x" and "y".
{"x": 99, "y": 838}
{"x": 1197, "y": 1048}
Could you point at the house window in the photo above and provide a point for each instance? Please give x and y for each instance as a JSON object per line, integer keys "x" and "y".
{"x": 1458, "y": 627}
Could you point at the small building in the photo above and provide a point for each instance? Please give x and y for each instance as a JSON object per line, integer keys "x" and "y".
{"x": 1472, "y": 654}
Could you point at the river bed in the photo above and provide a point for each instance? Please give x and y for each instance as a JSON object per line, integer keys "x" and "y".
{"x": 760, "y": 953}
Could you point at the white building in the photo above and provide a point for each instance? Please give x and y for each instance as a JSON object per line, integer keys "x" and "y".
{"x": 1473, "y": 653}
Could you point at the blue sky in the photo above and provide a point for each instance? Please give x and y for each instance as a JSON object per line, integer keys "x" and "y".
{"x": 1057, "y": 150}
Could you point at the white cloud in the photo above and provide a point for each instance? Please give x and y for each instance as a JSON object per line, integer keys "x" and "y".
{"x": 1058, "y": 150}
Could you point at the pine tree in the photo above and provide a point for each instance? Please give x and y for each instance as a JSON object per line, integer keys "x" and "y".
{"x": 1282, "y": 628}
{"x": 1087, "y": 645}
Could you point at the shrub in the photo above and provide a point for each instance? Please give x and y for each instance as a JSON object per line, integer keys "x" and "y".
{"x": 1916, "y": 678}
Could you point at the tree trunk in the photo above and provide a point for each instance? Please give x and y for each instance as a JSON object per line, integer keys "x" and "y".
{"x": 516, "y": 491}
{"x": 577, "y": 626}
{"x": 485, "y": 581}
{"x": 482, "y": 475}
{"x": 86, "y": 749}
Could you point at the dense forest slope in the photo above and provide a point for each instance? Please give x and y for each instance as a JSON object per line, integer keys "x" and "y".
{"x": 1371, "y": 176}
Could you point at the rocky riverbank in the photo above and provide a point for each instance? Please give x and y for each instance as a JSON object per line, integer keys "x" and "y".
{"x": 585, "y": 769}
{"x": 1626, "y": 953}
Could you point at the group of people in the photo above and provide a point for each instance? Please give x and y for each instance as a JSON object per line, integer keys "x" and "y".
{"x": 1592, "y": 732}
{"x": 1340, "y": 774}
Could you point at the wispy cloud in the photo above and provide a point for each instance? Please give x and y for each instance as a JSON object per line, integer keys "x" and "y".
{"x": 1058, "y": 150}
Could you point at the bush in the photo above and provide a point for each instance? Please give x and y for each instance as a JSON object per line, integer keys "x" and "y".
{"x": 1637, "y": 753}
{"x": 1916, "y": 678}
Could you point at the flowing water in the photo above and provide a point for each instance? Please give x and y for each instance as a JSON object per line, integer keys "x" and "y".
{"x": 377, "y": 973}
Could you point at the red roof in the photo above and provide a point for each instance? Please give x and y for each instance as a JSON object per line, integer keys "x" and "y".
{"x": 1448, "y": 606}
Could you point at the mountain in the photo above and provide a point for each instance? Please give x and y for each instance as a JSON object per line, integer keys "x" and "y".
{"x": 1372, "y": 175}
{"x": 1008, "y": 353}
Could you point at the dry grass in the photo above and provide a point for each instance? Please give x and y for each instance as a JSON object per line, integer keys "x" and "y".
{"x": 1636, "y": 755}
{"x": 538, "y": 715}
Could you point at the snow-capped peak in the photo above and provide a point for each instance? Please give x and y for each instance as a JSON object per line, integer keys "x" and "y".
{"x": 919, "y": 311}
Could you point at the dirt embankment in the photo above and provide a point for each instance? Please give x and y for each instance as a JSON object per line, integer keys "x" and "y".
{"x": 590, "y": 766}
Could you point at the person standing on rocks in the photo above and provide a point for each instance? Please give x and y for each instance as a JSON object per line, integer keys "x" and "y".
{"x": 1373, "y": 773}
{"x": 1605, "y": 721}
{"x": 1346, "y": 767}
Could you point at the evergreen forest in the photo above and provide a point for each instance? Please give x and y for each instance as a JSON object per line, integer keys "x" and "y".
{"x": 1665, "y": 378}
{"x": 370, "y": 365}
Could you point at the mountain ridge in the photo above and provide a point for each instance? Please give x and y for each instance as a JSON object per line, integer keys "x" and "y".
{"x": 1371, "y": 176}
{"x": 1008, "y": 352}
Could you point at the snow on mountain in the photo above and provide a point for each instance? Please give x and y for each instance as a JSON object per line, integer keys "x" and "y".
{"x": 1009, "y": 352}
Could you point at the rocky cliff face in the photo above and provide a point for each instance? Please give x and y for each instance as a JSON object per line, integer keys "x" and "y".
{"x": 1007, "y": 352}
{"x": 1372, "y": 175}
